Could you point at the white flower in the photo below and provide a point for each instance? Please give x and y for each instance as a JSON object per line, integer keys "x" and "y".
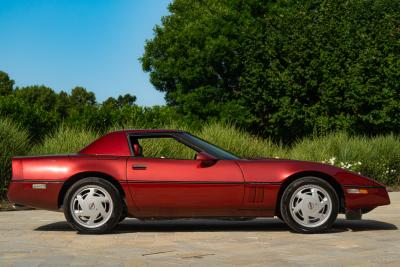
{"x": 332, "y": 161}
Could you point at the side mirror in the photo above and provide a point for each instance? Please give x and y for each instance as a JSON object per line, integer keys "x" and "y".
{"x": 206, "y": 160}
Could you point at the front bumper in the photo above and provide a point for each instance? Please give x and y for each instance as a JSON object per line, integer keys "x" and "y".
{"x": 375, "y": 196}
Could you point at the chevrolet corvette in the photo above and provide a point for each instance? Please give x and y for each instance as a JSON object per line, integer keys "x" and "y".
{"x": 133, "y": 173}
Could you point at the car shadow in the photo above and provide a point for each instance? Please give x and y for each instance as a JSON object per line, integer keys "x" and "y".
{"x": 203, "y": 225}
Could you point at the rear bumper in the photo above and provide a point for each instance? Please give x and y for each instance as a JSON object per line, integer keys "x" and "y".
{"x": 376, "y": 196}
{"x": 36, "y": 194}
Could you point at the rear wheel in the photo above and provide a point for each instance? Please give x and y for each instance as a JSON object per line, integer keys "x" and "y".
{"x": 93, "y": 206}
{"x": 309, "y": 205}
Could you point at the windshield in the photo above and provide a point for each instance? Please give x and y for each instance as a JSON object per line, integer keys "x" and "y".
{"x": 211, "y": 149}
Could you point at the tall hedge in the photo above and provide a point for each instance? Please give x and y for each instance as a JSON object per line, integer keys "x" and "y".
{"x": 64, "y": 140}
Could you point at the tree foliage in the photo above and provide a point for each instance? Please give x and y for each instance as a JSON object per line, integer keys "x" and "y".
{"x": 81, "y": 97}
{"x": 41, "y": 110}
{"x": 281, "y": 68}
{"x": 6, "y": 84}
{"x": 122, "y": 100}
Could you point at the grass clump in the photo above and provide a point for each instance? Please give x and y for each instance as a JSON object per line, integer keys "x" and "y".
{"x": 64, "y": 140}
{"x": 376, "y": 157}
{"x": 14, "y": 141}
{"x": 239, "y": 142}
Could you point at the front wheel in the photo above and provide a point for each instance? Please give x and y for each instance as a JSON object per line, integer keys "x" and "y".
{"x": 92, "y": 206}
{"x": 309, "y": 205}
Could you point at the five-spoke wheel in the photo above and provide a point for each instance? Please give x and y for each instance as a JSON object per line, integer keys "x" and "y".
{"x": 309, "y": 205}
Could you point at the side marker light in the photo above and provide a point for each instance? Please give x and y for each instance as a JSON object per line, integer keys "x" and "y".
{"x": 39, "y": 186}
{"x": 357, "y": 191}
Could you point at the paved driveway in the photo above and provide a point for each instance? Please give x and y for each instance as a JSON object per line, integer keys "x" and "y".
{"x": 42, "y": 238}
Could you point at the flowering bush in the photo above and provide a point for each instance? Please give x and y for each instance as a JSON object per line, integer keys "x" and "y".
{"x": 351, "y": 166}
{"x": 375, "y": 157}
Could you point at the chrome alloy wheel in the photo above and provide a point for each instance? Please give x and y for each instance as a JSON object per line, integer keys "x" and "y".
{"x": 310, "y": 206}
{"x": 91, "y": 206}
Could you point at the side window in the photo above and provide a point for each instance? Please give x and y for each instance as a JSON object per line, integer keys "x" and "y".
{"x": 160, "y": 147}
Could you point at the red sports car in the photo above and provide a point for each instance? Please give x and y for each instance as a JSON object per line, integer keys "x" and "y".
{"x": 132, "y": 174}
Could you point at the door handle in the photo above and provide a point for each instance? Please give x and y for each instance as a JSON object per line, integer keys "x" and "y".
{"x": 139, "y": 167}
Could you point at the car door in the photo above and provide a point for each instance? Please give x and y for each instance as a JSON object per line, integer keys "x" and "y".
{"x": 172, "y": 187}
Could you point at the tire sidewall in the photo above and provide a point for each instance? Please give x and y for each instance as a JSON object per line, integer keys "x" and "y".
{"x": 114, "y": 194}
{"x": 291, "y": 189}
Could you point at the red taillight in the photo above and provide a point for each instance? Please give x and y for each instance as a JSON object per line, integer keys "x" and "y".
{"x": 17, "y": 169}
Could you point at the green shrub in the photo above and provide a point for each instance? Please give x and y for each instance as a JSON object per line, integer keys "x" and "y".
{"x": 376, "y": 157}
{"x": 64, "y": 140}
{"x": 14, "y": 141}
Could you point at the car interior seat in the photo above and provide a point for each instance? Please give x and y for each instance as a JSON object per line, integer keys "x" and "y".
{"x": 137, "y": 150}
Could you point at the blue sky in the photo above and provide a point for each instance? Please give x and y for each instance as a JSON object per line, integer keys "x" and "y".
{"x": 94, "y": 44}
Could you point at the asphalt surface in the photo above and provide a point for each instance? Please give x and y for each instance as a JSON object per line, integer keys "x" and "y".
{"x": 43, "y": 238}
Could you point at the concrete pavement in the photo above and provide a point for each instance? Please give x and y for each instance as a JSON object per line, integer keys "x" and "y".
{"x": 43, "y": 238}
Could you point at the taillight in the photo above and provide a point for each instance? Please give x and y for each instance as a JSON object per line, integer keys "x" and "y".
{"x": 17, "y": 169}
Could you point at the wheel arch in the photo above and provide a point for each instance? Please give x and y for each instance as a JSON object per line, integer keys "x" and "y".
{"x": 326, "y": 177}
{"x": 76, "y": 177}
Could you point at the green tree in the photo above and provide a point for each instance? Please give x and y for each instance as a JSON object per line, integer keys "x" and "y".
{"x": 40, "y": 110}
{"x": 81, "y": 97}
{"x": 122, "y": 100}
{"x": 63, "y": 104}
{"x": 281, "y": 68}
{"x": 40, "y": 96}
{"x": 323, "y": 66}
{"x": 126, "y": 99}
{"x": 111, "y": 102}
{"x": 6, "y": 84}
{"x": 34, "y": 118}
{"x": 196, "y": 55}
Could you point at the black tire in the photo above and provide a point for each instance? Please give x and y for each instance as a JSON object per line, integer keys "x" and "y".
{"x": 289, "y": 219}
{"x": 114, "y": 213}
{"x": 124, "y": 213}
